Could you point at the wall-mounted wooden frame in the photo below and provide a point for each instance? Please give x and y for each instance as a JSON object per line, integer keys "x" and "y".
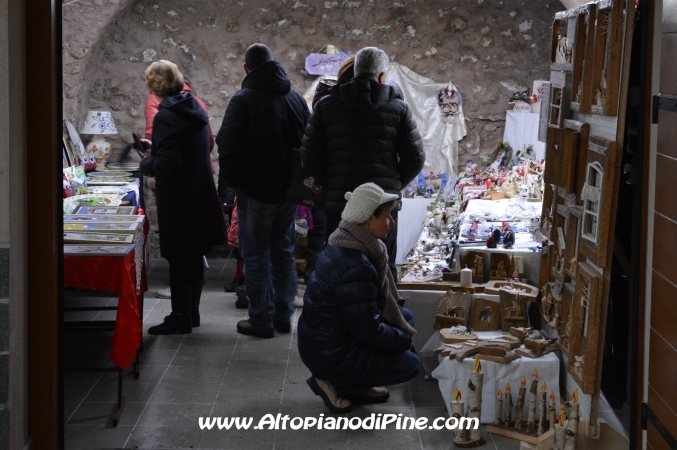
{"x": 596, "y": 198}
{"x": 572, "y": 238}
{"x": 499, "y": 266}
{"x": 553, "y": 151}
{"x": 485, "y": 315}
{"x": 607, "y": 56}
{"x": 566, "y": 174}
{"x": 551, "y": 307}
{"x": 453, "y": 309}
{"x": 560, "y": 243}
{"x": 586, "y": 327}
{"x": 559, "y": 99}
{"x": 513, "y": 310}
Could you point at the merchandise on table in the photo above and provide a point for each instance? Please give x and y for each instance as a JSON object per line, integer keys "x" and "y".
{"x": 117, "y": 210}
{"x": 97, "y": 238}
{"x": 97, "y": 250}
{"x": 105, "y": 227}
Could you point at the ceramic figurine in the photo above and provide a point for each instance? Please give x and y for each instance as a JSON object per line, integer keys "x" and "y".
{"x": 508, "y": 238}
{"x": 496, "y": 235}
{"x": 472, "y": 231}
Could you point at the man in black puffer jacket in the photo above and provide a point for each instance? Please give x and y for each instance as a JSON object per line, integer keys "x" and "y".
{"x": 363, "y": 132}
{"x": 263, "y": 123}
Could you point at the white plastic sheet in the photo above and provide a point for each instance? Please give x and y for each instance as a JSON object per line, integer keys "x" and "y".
{"x": 522, "y": 129}
{"x": 440, "y": 140}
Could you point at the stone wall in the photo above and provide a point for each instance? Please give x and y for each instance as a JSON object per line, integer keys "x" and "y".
{"x": 488, "y": 48}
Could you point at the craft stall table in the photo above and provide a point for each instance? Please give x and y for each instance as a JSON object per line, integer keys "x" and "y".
{"x": 452, "y": 374}
{"x": 116, "y": 274}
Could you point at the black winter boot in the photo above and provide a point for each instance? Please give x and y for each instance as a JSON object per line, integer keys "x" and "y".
{"x": 195, "y": 293}
{"x": 311, "y": 261}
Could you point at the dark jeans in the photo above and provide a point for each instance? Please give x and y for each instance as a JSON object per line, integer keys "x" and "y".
{"x": 405, "y": 368}
{"x": 186, "y": 276}
{"x": 266, "y": 238}
{"x": 318, "y": 235}
{"x": 390, "y": 240}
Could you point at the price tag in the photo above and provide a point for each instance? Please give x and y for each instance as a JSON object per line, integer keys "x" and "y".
{"x": 519, "y": 264}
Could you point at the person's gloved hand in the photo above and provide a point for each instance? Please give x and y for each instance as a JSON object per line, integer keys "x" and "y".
{"x": 301, "y": 226}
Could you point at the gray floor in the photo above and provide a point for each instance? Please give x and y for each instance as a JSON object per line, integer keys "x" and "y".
{"x": 216, "y": 372}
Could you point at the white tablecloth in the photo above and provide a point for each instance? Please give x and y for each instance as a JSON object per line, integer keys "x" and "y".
{"x": 453, "y": 374}
{"x": 410, "y": 225}
{"x": 522, "y": 129}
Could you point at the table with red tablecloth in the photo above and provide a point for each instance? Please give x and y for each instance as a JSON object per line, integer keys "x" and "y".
{"x": 115, "y": 274}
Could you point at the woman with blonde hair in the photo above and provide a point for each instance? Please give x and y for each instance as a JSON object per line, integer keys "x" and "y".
{"x": 189, "y": 215}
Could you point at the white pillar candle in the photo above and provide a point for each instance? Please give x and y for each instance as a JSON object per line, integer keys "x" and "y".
{"x": 466, "y": 277}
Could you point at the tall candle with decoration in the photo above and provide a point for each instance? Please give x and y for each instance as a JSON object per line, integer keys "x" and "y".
{"x": 541, "y": 413}
{"x": 572, "y": 425}
{"x": 508, "y": 405}
{"x": 475, "y": 399}
{"x": 520, "y": 403}
{"x": 560, "y": 429}
{"x": 532, "y": 402}
{"x": 499, "y": 407}
{"x": 458, "y": 411}
{"x": 552, "y": 410}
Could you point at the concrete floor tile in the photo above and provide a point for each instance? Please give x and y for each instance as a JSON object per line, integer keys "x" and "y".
{"x": 195, "y": 357}
{"x": 311, "y": 439}
{"x": 427, "y": 397}
{"x": 390, "y": 439}
{"x": 76, "y": 392}
{"x": 146, "y": 437}
{"x": 69, "y": 408}
{"x": 238, "y": 440}
{"x": 101, "y": 413}
{"x": 198, "y": 375}
{"x": 501, "y": 442}
{"x": 87, "y": 437}
{"x": 186, "y": 392}
{"x": 151, "y": 343}
{"x": 266, "y": 395}
{"x": 147, "y": 374}
{"x": 153, "y": 357}
{"x": 133, "y": 391}
{"x": 174, "y": 415}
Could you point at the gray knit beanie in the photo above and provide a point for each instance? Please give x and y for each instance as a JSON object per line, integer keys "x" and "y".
{"x": 363, "y": 201}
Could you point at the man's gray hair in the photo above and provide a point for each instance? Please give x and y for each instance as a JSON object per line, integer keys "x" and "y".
{"x": 371, "y": 61}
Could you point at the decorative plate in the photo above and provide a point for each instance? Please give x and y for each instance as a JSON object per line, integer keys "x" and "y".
{"x": 123, "y": 166}
{"x": 110, "y": 173}
{"x": 111, "y": 190}
{"x": 110, "y": 178}
{"x": 99, "y": 182}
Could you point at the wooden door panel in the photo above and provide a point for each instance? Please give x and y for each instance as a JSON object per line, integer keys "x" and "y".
{"x": 668, "y": 83}
{"x": 654, "y": 440}
{"x": 667, "y": 133}
{"x": 669, "y": 17}
{"x": 664, "y": 247}
{"x": 663, "y": 368}
{"x": 666, "y": 169}
{"x": 662, "y": 410}
{"x": 664, "y": 308}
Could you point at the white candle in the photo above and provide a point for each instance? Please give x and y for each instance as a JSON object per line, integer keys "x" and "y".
{"x": 466, "y": 277}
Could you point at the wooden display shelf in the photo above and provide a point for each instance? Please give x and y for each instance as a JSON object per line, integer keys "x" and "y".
{"x": 456, "y": 277}
{"x": 546, "y": 440}
{"x": 439, "y": 286}
{"x": 493, "y": 288}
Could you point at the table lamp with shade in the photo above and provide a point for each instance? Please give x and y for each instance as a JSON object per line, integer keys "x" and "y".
{"x": 98, "y": 124}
